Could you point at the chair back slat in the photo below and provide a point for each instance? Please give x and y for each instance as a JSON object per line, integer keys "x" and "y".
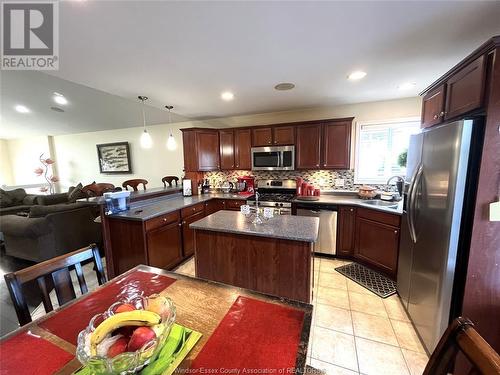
{"x": 81, "y": 278}
{"x": 59, "y": 270}
{"x": 63, "y": 286}
{"x": 47, "y": 303}
{"x": 134, "y": 183}
{"x": 461, "y": 336}
{"x": 169, "y": 180}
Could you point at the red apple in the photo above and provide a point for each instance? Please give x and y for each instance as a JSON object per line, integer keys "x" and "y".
{"x": 118, "y": 347}
{"x": 124, "y": 308}
{"x": 140, "y": 336}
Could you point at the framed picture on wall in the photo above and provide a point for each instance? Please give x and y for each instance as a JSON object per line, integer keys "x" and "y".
{"x": 114, "y": 158}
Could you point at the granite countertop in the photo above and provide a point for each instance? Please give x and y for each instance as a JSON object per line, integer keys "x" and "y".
{"x": 140, "y": 194}
{"x": 151, "y": 208}
{"x": 353, "y": 200}
{"x": 288, "y": 227}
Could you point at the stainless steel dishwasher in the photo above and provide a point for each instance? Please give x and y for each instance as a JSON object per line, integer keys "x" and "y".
{"x": 327, "y": 238}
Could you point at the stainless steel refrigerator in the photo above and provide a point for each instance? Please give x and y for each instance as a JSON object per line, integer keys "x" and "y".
{"x": 433, "y": 243}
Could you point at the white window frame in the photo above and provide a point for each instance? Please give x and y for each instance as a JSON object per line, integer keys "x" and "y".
{"x": 358, "y": 126}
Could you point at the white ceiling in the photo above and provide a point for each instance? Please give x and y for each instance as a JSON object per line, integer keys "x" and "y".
{"x": 187, "y": 53}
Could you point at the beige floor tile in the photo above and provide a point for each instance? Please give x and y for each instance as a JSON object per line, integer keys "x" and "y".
{"x": 330, "y": 369}
{"x": 333, "y": 318}
{"x": 367, "y": 304}
{"x": 329, "y": 265}
{"x": 416, "y": 362}
{"x": 373, "y": 327}
{"x": 406, "y": 335}
{"x": 395, "y": 309}
{"x": 332, "y": 280}
{"x": 334, "y": 347}
{"x": 355, "y": 287}
{"x": 375, "y": 358}
{"x": 333, "y": 297}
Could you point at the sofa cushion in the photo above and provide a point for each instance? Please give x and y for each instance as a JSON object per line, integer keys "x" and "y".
{"x": 17, "y": 195}
{"x": 30, "y": 200}
{"x": 6, "y": 200}
{"x": 41, "y": 211}
{"x": 14, "y": 210}
{"x": 52, "y": 199}
{"x": 75, "y": 192}
{"x": 13, "y": 225}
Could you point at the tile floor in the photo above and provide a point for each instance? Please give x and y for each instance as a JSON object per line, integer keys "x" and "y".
{"x": 353, "y": 330}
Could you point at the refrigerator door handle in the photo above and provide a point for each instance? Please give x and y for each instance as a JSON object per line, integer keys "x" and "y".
{"x": 413, "y": 202}
{"x": 408, "y": 203}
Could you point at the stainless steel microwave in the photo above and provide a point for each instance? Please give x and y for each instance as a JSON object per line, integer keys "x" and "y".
{"x": 280, "y": 158}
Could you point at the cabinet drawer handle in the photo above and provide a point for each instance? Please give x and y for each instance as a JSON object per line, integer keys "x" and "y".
{"x": 351, "y": 209}
{"x": 164, "y": 219}
{"x": 180, "y": 224}
{"x": 396, "y": 232}
{"x": 183, "y": 222}
{"x": 442, "y": 114}
{"x": 435, "y": 117}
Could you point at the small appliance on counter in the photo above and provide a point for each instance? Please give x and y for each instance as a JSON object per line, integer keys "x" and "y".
{"x": 226, "y": 187}
{"x": 306, "y": 191}
{"x": 187, "y": 188}
{"x": 205, "y": 187}
{"x": 117, "y": 202}
{"x": 246, "y": 185}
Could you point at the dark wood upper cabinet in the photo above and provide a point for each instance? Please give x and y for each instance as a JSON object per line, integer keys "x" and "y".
{"x": 336, "y": 145}
{"x": 465, "y": 89}
{"x": 242, "y": 146}
{"x": 308, "y": 146}
{"x": 226, "y": 138}
{"x": 262, "y": 136}
{"x": 164, "y": 246}
{"x": 283, "y": 135}
{"x": 433, "y": 107}
{"x": 345, "y": 230}
{"x": 201, "y": 149}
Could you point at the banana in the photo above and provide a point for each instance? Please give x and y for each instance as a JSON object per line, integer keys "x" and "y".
{"x": 128, "y": 318}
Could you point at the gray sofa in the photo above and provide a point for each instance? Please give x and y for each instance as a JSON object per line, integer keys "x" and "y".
{"x": 49, "y": 231}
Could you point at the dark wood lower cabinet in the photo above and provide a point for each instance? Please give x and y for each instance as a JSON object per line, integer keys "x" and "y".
{"x": 164, "y": 246}
{"x": 345, "y": 230}
{"x": 274, "y": 266}
{"x": 188, "y": 234}
{"x": 377, "y": 245}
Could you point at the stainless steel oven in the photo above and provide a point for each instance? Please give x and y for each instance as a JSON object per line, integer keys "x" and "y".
{"x": 280, "y": 158}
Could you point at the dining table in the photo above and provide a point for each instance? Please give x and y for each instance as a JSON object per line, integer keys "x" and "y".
{"x": 243, "y": 331}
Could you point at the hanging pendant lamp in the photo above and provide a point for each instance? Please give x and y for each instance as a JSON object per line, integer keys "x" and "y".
{"x": 171, "y": 142}
{"x": 146, "y": 140}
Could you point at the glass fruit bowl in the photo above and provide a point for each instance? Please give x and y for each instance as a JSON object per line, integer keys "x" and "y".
{"x": 124, "y": 338}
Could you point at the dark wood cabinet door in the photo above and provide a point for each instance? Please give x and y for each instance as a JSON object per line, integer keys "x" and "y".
{"x": 377, "y": 245}
{"x": 465, "y": 89}
{"x": 207, "y": 142}
{"x": 345, "y": 230}
{"x": 188, "y": 234}
{"x": 284, "y": 135}
{"x": 242, "y": 147}
{"x": 234, "y": 204}
{"x": 190, "y": 154}
{"x": 211, "y": 206}
{"x": 164, "y": 246}
{"x": 308, "y": 145}
{"x": 336, "y": 145}
{"x": 262, "y": 136}
{"x": 433, "y": 107}
{"x": 226, "y": 140}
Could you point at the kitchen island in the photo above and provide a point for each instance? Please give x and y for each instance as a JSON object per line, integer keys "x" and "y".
{"x": 274, "y": 257}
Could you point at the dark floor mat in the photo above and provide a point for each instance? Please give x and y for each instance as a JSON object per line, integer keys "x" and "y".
{"x": 371, "y": 280}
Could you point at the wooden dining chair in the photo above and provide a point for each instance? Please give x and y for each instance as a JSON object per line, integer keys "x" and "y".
{"x": 461, "y": 336}
{"x": 97, "y": 189}
{"x": 169, "y": 180}
{"x": 58, "y": 269}
{"x": 134, "y": 183}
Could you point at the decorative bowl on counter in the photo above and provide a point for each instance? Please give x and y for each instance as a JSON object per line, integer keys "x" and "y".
{"x": 124, "y": 338}
{"x": 367, "y": 192}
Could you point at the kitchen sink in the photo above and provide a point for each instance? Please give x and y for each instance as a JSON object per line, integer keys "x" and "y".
{"x": 380, "y": 203}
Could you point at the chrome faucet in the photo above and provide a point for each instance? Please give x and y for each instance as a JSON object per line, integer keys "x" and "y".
{"x": 399, "y": 183}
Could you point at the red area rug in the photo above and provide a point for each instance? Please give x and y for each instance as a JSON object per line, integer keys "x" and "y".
{"x": 254, "y": 335}
{"x": 69, "y": 321}
{"x": 29, "y": 354}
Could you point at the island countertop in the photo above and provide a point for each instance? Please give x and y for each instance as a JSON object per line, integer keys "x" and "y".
{"x": 297, "y": 228}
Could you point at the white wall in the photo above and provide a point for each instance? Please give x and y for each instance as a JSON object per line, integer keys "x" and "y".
{"x": 76, "y": 154}
{"x": 5, "y": 164}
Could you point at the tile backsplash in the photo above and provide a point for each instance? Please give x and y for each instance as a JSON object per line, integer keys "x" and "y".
{"x": 324, "y": 179}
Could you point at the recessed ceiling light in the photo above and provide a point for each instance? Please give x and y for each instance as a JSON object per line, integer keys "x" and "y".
{"x": 407, "y": 85}
{"x": 60, "y": 99}
{"x": 22, "y": 109}
{"x": 227, "y": 95}
{"x": 57, "y": 109}
{"x": 284, "y": 86}
{"x": 358, "y": 74}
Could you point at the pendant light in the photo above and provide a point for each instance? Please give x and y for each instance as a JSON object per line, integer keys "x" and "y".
{"x": 171, "y": 143}
{"x": 146, "y": 140}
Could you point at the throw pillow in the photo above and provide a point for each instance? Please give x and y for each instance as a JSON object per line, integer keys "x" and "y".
{"x": 5, "y": 199}
{"x": 18, "y": 195}
{"x": 75, "y": 193}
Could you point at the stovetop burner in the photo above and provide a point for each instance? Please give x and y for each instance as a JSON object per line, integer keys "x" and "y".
{"x": 274, "y": 197}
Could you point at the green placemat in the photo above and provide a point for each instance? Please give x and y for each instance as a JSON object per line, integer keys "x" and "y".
{"x": 179, "y": 343}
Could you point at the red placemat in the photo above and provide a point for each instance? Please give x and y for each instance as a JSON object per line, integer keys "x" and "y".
{"x": 29, "y": 354}
{"x": 68, "y": 322}
{"x": 253, "y": 335}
